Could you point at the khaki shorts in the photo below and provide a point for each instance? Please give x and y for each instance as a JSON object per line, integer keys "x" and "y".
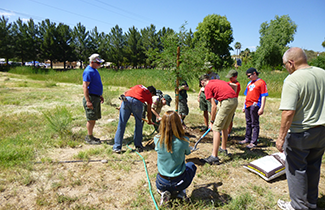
{"x": 225, "y": 114}
{"x": 93, "y": 114}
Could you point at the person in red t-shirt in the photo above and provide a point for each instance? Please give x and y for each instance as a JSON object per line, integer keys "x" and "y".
{"x": 256, "y": 92}
{"x": 232, "y": 75}
{"x": 133, "y": 103}
{"x": 222, "y": 92}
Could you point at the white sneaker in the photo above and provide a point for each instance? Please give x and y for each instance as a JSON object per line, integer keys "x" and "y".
{"x": 285, "y": 205}
{"x": 165, "y": 196}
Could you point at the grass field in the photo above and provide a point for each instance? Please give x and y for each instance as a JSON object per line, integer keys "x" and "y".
{"x": 42, "y": 123}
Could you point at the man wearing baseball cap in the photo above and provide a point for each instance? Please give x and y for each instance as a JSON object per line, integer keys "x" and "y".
{"x": 93, "y": 96}
{"x": 255, "y": 92}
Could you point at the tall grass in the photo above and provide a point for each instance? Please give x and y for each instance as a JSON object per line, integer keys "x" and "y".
{"x": 161, "y": 79}
{"x": 59, "y": 120}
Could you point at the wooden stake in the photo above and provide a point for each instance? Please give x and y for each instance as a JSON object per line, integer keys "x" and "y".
{"x": 177, "y": 80}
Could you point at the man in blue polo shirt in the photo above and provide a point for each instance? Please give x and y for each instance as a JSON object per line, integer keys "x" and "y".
{"x": 93, "y": 96}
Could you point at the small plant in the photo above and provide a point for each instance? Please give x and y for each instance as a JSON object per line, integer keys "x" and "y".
{"x": 59, "y": 120}
{"x": 66, "y": 199}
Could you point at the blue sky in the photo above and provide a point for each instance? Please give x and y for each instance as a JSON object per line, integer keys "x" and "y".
{"x": 245, "y": 17}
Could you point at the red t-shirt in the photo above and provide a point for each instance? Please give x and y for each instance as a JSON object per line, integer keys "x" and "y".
{"x": 254, "y": 92}
{"x": 218, "y": 89}
{"x": 238, "y": 88}
{"x": 141, "y": 93}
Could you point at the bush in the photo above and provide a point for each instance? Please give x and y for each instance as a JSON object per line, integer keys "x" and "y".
{"x": 319, "y": 61}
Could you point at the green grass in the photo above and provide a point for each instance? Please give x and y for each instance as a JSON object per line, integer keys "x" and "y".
{"x": 158, "y": 78}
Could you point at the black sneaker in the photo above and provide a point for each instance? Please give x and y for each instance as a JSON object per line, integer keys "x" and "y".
{"x": 139, "y": 148}
{"x": 181, "y": 195}
{"x": 92, "y": 141}
{"x": 97, "y": 139}
{"x": 211, "y": 160}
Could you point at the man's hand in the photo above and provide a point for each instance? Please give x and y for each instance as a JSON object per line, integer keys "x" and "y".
{"x": 90, "y": 105}
{"x": 279, "y": 144}
{"x": 101, "y": 99}
{"x": 260, "y": 111}
{"x": 211, "y": 125}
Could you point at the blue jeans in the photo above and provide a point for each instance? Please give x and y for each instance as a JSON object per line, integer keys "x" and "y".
{"x": 252, "y": 124}
{"x": 178, "y": 184}
{"x": 134, "y": 106}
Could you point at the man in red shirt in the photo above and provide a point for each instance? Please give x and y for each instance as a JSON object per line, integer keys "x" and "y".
{"x": 222, "y": 92}
{"x": 256, "y": 92}
{"x": 133, "y": 103}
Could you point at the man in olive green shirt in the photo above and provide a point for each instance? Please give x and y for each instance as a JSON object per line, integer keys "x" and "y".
{"x": 302, "y": 129}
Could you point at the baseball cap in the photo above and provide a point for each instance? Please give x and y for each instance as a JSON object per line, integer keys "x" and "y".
{"x": 168, "y": 99}
{"x": 251, "y": 71}
{"x": 96, "y": 58}
{"x": 232, "y": 73}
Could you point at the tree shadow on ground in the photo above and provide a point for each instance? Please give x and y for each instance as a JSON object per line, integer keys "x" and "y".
{"x": 209, "y": 193}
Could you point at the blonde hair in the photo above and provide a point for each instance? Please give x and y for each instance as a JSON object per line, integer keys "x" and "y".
{"x": 170, "y": 126}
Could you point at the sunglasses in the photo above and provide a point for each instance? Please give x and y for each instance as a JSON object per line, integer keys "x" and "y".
{"x": 248, "y": 76}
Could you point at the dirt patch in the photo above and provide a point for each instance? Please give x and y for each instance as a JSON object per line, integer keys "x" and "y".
{"x": 120, "y": 182}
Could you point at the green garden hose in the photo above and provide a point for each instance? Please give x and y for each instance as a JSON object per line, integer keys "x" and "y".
{"x": 145, "y": 167}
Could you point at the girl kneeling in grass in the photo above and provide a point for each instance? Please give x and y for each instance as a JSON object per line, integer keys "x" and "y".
{"x": 174, "y": 176}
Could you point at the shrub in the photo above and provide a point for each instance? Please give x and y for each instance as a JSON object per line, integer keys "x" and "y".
{"x": 319, "y": 61}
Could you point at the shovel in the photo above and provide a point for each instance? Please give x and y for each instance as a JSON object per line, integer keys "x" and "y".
{"x": 194, "y": 148}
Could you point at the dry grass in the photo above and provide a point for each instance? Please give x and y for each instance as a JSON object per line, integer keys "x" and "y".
{"x": 121, "y": 183}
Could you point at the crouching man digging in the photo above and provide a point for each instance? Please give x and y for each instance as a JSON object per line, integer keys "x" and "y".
{"x": 133, "y": 103}
{"x": 224, "y": 93}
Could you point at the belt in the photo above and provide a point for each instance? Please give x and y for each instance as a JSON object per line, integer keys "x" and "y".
{"x": 317, "y": 126}
{"x": 94, "y": 95}
{"x": 169, "y": 178}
